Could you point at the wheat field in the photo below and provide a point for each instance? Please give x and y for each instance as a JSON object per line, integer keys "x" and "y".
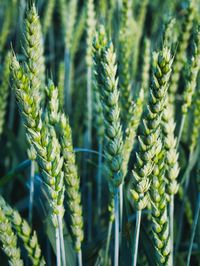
{"x": 99, "y": 132}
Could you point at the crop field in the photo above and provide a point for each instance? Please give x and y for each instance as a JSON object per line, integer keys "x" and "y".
{"x": 100, "y": 132}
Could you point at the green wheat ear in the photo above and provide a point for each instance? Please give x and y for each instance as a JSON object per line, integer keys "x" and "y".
{"x": 34, "y": 51}
{"x": 6, "y": 27}
{"x": 70, "y": 174}
{"x": 159, "y": 219}
{"x": 43, "y": 138}
{"x": 9, "y": 241}
{"x": 181, "y": 52}
{"x": 170, "y": 144}
{"x": 131, "y": 130}
{"x": 70, "y": 23}
{"x": 124, "y": 63}
{"x": 105, "y": 72}
{"x": 149, "y": 141}
{"x": 194, "y": 68}
{"x": 61, "y": 82}
{"x": 24, "y": 232}
{"x": 145, "y": 75}
{"x": 4, "y": 90}
{"x": 72, "y": 182}
{"x": 195, "y": 132}
{"x": 90, "y": 24}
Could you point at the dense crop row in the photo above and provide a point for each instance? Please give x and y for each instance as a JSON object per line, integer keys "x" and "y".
{"x": 99, "y": 132}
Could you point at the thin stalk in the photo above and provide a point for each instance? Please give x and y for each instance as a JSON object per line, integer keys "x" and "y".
{"x": 108, "y": 241}
{"x": 116, "y": 209}
{"x": 194, "y": 229}
{"x": 89, "y": 107}
{"x": 89, "y": 211}
{"x": 121, "y": 209}
{"x": 136, "y": 237}
{"x": 183, "y": 205}
{"x": 79, "y": 256}
{"x": 99, "y": 178}
{"x": 67, "y": 82}
{"x": 171, "y": 212}
{"x": 62, "y": 244}
{"x": 181, "y": 129}
{"x": 58, "y": 261}
{"x": 31, "y": 192}
{"x": 48, "y": 250}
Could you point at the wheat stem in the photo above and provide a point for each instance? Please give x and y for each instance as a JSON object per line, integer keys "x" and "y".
{"x": 116, "y": 210}
{"x": 58, "y": 256}
{"x": 31, "y": 192}
{"x": 181, "y": 129}
{"x": 89, "y": 211}
{"x": 187, "y": 178}
{"x": 62, "y": 244}
{"x": 194, "y": 229}
{"x": 108, "y": 241}
{"x": 99, "y": 177}
{"x": 79, "y": 256}
{"x": 171, "y": 213}
{"x": 67, "y": 81}
{"x": 136, "y": 237}
{"x": 121, "y": 210}
{"x": 89, "y": 107}
{"x": 110, "y": 225}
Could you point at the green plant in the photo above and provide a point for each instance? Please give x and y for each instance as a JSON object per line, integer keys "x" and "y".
{"x": 105, "y": 71}
{"x": 181, "y": 52}
{"x": 24, "y": 232}
{"x": 4, "y": 90}
{"x": 9, "y": 241}
{"x": 103, "y": 166}
{"x": 43, "y": 139}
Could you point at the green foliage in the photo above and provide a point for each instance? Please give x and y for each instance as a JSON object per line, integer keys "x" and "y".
{"x": 114, "y": 144}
